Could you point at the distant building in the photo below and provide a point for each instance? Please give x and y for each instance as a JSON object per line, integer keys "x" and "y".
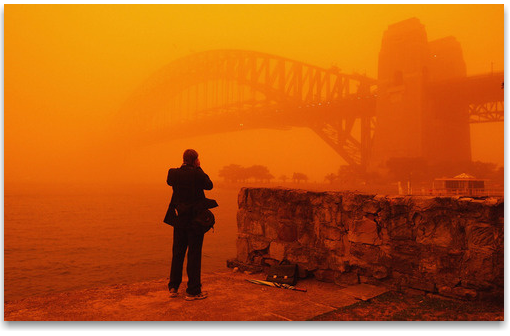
{"x": 462, "y": 184}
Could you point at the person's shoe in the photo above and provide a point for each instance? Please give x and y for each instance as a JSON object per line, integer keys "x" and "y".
{"x": 199, "y": 296}
{"x": 173, "y": 292}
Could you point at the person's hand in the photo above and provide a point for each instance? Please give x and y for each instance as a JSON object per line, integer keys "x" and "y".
{"x": 197, "y": 162}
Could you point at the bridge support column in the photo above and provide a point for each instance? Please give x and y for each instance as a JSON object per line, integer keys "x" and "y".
{"x": 410, "y": 124}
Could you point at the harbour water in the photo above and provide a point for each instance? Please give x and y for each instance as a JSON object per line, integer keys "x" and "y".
{"x": 68, "y": 239}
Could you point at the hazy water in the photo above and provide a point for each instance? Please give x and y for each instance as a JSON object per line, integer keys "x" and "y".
{"x": 60, "y": 241}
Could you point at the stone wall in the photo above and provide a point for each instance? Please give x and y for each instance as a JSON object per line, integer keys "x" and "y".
{"x": 452, "y": 246}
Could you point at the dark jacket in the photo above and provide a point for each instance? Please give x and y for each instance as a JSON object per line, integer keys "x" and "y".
{"x": 188, "y": 184}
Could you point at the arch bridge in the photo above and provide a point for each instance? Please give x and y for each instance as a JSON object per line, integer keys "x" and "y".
{"x": 231, "y": 90}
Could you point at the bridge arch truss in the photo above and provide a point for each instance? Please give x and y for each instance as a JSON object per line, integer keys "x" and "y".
{"x": 230, "y": 90}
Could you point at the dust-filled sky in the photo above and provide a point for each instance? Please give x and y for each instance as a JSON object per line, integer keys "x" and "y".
{"x": 69, "y": 68}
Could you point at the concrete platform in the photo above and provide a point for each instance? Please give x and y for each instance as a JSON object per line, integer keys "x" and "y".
{"x": 231, "y": 298}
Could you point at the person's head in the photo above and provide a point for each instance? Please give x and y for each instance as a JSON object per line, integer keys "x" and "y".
{"x": 189, "y": 156}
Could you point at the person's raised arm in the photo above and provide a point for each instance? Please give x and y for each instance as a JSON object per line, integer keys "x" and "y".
{"x": 206, "y": 181}
{"x": 170, "y": 178}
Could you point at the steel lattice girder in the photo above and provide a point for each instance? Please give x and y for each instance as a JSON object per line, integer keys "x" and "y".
{"x": 256, "y": 87}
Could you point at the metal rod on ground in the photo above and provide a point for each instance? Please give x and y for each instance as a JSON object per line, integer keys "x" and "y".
{"x": 276, "y": 284}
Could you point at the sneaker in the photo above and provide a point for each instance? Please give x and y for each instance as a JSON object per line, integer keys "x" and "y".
{"x": 199, "y": 296}
{"x": 173, "y": 292}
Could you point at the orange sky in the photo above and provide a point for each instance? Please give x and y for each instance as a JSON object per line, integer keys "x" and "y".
{"x": 68, "y": 69}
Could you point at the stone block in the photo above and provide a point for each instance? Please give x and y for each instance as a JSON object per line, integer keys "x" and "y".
{"x": 336, "y": 246}
{"x": 349, "y": 217}
{"x": 303, "y": 212}
{"x": 364, "y": 231}
{"x": 379, "y": 272}
{"x": 277, "y": 250}
{"x": 428, "y": 264}
{"x": 325, "y": 275}
{"x": 331, "y": 233}
{"x": 322, "y": 215}
{"x": 346, "y": 278}
{"x": 371, "y": 206}
{"x": 383, "y": 234}
{"x": 470, "y": 207}
{"x": 255, "y": 227}
{"x": 297, "y": 254}
{"x": 423, "y": 203}
{"x": 352, "y": 201}
{"x": 363, "y": 279}
{"x": 338, "y": 262}
{"x": 257, "y": 260}
{"x": 397, "y": 205}
{"x": 241, "y": 198}
{"x": 316, "y": 198}
{"x": 365, "y": 252}
{"x": 240, "y": 216}
{"x": 373, "y": 271}
{"x": 318, "y": 259}
{"x": 271, "y": 233}
{"x": 446, "y": 279}
{"x": 481, "y": 285}
{"x": 405, "y": 257}
{"x": 478, "y": 266}
{"x": 464, "y": 293}
{"x": 496, "y": 212}
{"x": 481, "y": 235}
{"x": 257, "y": 243}
{"x": 435, "y": 230}
{"x": 399, "y": 228}
{"x": 250, "y": 202}
{"x": 421, "y": 283}
{"x": 306, "y": 240}
{"x": 242, "y": 249}
{"x": 284, "y": 212}
{"x": 287, "y": 231}
{"x": 270, "y": 261}
{"x": 337, "y": 220}
{"x": 304, "y": 226}
{"x": 271, "y": 227}
{"x": 458, "y": 292}
{"x": 333, "y": 198}
{"x": 249, "y": 222}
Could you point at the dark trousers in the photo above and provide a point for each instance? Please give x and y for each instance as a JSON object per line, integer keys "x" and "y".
{"x": 186, "y": 239}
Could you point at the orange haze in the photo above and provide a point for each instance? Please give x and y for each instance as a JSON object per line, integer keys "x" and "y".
{"x": 69, "y": 68}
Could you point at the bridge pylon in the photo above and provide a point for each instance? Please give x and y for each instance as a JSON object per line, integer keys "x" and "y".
{"x": 411, "y": 121}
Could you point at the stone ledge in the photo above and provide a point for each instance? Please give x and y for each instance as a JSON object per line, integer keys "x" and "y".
{"x": 452, "y": 245}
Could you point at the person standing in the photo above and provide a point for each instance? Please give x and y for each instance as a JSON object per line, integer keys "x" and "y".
{"x": 188, "y": 183}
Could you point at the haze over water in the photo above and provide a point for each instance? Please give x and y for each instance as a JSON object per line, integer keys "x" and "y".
{"x": 68, "y": 70}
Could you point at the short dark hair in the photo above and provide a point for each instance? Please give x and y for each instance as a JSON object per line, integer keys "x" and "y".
{"x": 189, "y": 156}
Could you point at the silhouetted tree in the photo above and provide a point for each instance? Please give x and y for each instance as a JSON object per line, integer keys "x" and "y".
{"x": 237, "y": 173}
{"x": 331, "y": 178}
{"x": 298, "y": 177}
{"x": 259, "y": 173}
{"x": 233, "y": 173}
{"x": 284, "y": 178}
{"x": 349, "y": 175}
